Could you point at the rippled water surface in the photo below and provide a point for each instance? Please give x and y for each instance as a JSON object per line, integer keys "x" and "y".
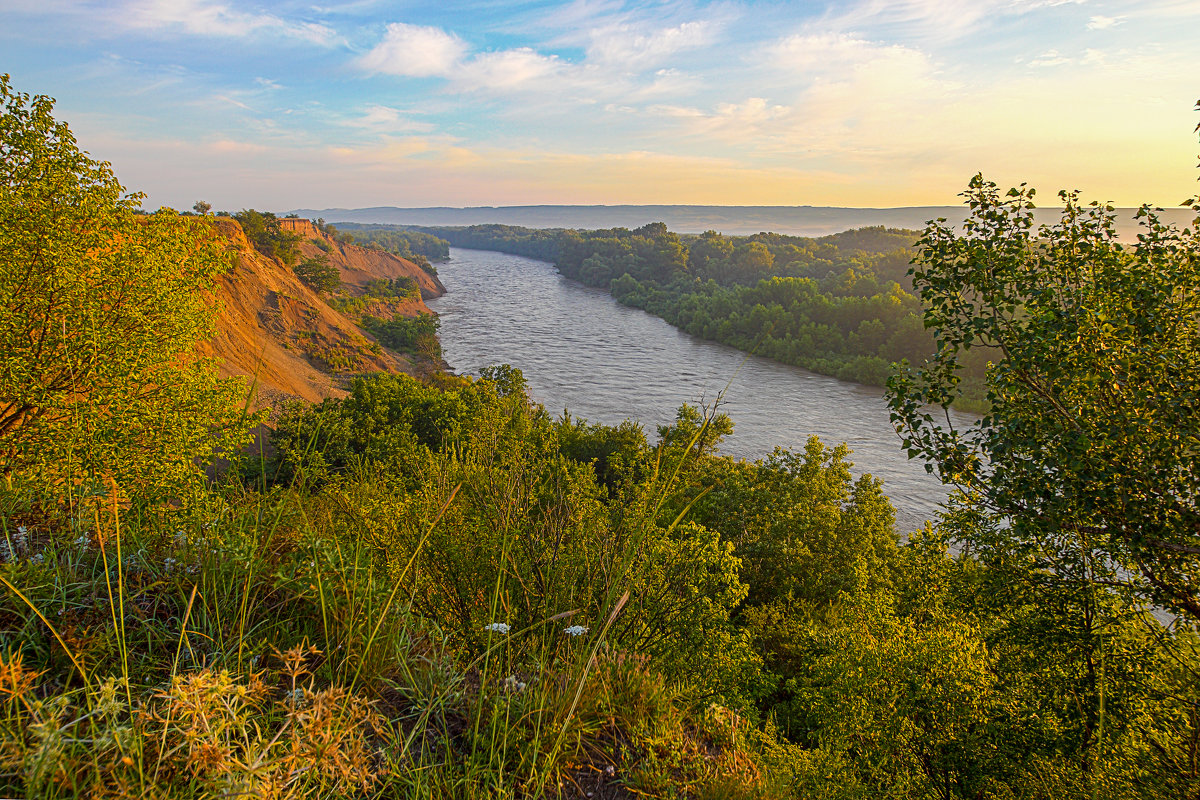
{"x": 581, "y": 350}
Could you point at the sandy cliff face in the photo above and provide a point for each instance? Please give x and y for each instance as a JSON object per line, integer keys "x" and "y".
{"x": 278, "y": 332}
{"x": 361, "y": 264}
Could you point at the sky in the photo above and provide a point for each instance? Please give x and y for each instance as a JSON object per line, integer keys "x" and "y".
{"x": 863, "y": 103}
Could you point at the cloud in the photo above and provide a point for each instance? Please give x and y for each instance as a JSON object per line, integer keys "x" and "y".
{"x": 385, "y": 119}
{"x": 622, "y": 46}
{"x": 415, "y": 51}
{"x": 1099, "y": 23}
{"x": 507, "y": 69}
{"x": 839, "y": 53}
{"x": 929, "y": 20}
{"x": 1050, "y": 58}
{"x": 205, "y": 18}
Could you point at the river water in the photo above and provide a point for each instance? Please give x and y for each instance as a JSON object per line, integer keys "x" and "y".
{"x": 581, "y": 350}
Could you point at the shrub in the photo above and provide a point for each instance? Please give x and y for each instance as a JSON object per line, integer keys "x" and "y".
{"x": 318, "y": 274}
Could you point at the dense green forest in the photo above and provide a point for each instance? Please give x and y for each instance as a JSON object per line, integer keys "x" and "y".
{"x": 440, "y": 590}
{"x": 839, "y": 305}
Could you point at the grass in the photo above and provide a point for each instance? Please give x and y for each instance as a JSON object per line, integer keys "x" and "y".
{"x": 251, "y": 643}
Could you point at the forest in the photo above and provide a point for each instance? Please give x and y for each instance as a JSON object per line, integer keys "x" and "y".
{"x": 437, "y": 589}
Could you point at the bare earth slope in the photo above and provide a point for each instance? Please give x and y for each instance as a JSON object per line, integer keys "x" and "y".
{"x": 274, "y": 329}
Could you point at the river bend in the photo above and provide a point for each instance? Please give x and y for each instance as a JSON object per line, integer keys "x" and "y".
{"x": 581, "y": 350}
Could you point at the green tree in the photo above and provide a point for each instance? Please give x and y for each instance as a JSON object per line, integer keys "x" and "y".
{"x": 100, "y": 312}
{"x": 1086, "y": 463}
{"x": 263, "y": 230}
{"x": 318, "y": 274}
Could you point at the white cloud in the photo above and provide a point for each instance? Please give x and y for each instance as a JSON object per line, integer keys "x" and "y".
{"x": 507, "y": 69}
{"x": 842, "y": 54}
{"x": 205, "y": 18}
{"x": 1050, "y": 58}
{"x": 1099, "y": 23}
{"x": 377, "y": 119}
{"x": 415, "y": 51}
{"x": 623, "y": 47}
{"x": 929, "y": 20}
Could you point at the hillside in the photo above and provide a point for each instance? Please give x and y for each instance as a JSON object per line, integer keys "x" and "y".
{"x": 282, "y": 334}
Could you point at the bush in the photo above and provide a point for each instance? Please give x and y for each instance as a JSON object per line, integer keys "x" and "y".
{"x": 318, "y": 274}
{"x": 416, "y": 335}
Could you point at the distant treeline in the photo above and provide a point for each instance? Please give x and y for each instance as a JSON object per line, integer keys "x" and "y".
{"x": 402, "y": 242}
{"x": 839, "y": 305}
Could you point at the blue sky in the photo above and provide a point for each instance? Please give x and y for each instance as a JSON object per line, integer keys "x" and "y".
{"x": 858, "y": 103}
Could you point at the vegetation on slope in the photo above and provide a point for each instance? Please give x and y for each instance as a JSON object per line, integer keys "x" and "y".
{"x": 438, "y": 590}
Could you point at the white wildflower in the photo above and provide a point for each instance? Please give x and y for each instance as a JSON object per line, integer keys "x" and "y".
{"x": 514, "y": 684}
{"x": 575, "y": 630}
{"x": 83, "y": 542}
{"x": 168, "y": 564}
{"x": 37, "y": 558}
{"x": 498, "y": 627}
{"x": 21, "y": 539}
{"x": 180, "y": 538}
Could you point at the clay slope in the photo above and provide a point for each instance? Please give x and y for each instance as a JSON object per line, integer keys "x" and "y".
{"x": 275, "y": 330}
{"x": 361, "y": 264}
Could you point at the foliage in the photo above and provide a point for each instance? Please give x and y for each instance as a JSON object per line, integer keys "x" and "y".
{"x": 403, "y": 287}
{"x": 263, "y": 230}
{"x": 100, "y": 311}
{"x": 416, "y": 335}
{"x": 318, "y": 274}
{"x": 1085, "y": 464}
{"x": 411, "y": 244}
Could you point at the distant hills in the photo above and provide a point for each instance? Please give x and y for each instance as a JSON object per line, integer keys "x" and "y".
{"x": 734, "y": 220}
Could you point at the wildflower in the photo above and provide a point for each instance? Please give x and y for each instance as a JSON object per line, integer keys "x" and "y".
{"x": 513, "y": 684}
{"x": 21, "y": 539}
{"x": 84, "y": 541}
{"x": 575, "y": 630}
{"x": 498, "y": 627}
{"x": 180, "y": 538}
{"x": 37, "y": 558}
{"x": 168, "y": 564}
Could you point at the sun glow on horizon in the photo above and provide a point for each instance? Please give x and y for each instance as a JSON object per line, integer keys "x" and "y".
{"x": 867, "y": 104}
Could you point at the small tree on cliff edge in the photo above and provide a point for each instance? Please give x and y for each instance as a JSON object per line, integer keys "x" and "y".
{"x": 100, "y": 314}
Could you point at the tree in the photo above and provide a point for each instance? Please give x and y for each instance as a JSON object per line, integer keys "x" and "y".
{"x": 263, "y": 230}
{"x": 201, "y": 207}
{"x": 100, "y": 312}
{"x": 318, "y": 274}
{"x": 1085, "y": 466}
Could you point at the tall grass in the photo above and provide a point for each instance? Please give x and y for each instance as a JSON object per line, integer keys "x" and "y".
{"x": 273, "y": 643}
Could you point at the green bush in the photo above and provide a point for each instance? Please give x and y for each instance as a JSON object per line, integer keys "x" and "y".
{"x": 318, "y": 274}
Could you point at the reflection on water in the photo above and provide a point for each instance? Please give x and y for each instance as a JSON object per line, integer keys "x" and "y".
{"x": 581, "y": 350}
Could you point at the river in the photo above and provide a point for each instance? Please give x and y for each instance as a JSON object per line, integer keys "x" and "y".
{"x": 581, "y": 350}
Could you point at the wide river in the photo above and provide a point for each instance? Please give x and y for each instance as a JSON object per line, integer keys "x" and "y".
{"x": 581, "y": 350}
